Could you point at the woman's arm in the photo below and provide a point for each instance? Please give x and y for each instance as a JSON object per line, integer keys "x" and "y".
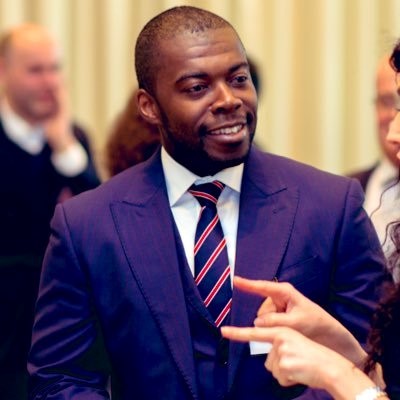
{"x": 309, "y": 345}
{"x": 286, "y": 306}
{"x": 296, "y": 359}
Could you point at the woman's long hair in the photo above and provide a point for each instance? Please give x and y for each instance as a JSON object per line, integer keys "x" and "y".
{"x": 383, "y": 346}
{"x": 386, "y": 321}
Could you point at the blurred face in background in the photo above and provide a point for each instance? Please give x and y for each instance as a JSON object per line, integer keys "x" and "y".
{"x": 30, "y": 74}
{"x": 393, "y": 136}
{"x": 387, "y": 101}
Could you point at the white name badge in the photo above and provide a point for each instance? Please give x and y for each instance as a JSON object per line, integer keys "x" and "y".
{"x": 260, "y": 348}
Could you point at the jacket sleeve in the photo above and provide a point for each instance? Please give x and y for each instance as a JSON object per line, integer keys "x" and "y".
{"x": 67, "y": 358}
{"x": 88, "y": 178}
{"x": 359, "y": 272}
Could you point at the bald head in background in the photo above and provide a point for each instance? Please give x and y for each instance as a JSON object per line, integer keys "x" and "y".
{"x": 30, "y": 72}
{"x": 382, "y": 201}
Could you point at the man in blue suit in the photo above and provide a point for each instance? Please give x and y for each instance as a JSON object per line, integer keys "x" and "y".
{"x": 117, "y": 279}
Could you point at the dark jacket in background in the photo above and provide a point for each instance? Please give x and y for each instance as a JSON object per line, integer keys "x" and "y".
{"x": 29, "y": 190}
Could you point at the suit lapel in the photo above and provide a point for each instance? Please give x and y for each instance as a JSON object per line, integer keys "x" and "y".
{"x": 267, "y": 212}
{"x": 144, "y": 224}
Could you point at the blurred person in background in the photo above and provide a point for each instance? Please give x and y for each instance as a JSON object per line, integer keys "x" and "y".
{"x": 43, "y": 156}
{"x": 131, "y": 140}
{"x": 382, "y": 195}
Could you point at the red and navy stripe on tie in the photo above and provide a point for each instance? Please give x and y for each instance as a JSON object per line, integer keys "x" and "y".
{"x": 212, "y": 270}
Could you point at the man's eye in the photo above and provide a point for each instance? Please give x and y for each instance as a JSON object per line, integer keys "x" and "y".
{"x": 196, "y": 88}
{"x": 35, "y": 70}
{"x": 241, "y": 79}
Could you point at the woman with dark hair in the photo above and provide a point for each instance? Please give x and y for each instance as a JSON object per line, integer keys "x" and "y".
{"x": 131, "y": 141}
{"x": 312, "y": 348}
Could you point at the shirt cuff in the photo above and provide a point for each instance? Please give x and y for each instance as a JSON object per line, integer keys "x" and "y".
{"x": 71, "y": 161}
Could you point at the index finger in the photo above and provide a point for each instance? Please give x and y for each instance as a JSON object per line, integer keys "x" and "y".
{"x": 249, "y": 334}
{"x": 279, "y": 292}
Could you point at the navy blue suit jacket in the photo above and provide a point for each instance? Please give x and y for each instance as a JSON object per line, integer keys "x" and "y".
{"x": 111, "y": 277}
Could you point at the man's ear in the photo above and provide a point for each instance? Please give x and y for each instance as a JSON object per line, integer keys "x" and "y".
{"x": 148, "y": 107}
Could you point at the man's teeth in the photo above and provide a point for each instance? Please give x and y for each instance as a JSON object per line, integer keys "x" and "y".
{"x": 227, "y": 131}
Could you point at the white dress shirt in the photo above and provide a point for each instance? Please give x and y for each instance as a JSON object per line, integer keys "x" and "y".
{"x": 69, "y": 162}
{"x": 382, "y": 201}
{"x": 381, "y": 178}
{"x": 186, "y": 209}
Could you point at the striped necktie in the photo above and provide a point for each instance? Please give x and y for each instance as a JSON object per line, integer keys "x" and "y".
{"x": 211, "y": 265}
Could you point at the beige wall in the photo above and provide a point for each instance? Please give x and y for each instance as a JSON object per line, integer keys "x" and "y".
{"x": 316, "y": 58}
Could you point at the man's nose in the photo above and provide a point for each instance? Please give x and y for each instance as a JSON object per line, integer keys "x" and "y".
{"x": 393, "y": 135}
{"x": 51, "y": 78}
{"x": 225, "y": 99}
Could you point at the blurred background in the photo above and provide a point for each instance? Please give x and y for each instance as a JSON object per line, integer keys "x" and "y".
{"x": 316, "y": 60}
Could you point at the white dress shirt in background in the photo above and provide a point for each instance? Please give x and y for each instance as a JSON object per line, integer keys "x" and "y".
{"x": 69, "y": 162}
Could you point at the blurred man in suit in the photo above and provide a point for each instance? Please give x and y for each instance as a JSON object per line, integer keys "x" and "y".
{"x": 42, "y": 156}
{"x": 382, "y": 196}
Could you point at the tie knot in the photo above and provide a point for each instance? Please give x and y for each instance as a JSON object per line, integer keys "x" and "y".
{"x": 207, "y": 194}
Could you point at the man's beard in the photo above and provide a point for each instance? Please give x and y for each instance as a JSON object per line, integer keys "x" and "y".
{"x": 192, "y": 155}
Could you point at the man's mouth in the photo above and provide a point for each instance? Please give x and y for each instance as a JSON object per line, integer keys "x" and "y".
{"x": 231, "y": 130}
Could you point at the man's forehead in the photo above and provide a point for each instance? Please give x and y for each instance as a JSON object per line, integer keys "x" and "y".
{"x": 35, "y": 48}
{"x": 191, "y": 41}
{"x": 182, "y": 34}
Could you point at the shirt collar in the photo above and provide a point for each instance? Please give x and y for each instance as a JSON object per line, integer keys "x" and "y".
{"x": 178, "y": 178}
{"x": 386, "y": 172}
{"x": 29, "y": 138}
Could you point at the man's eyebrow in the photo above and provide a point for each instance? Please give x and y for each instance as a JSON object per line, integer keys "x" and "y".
{"x": 192, "y": 75}
{"x": 202, "y": 75}
{"x": 238, "y": 66}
